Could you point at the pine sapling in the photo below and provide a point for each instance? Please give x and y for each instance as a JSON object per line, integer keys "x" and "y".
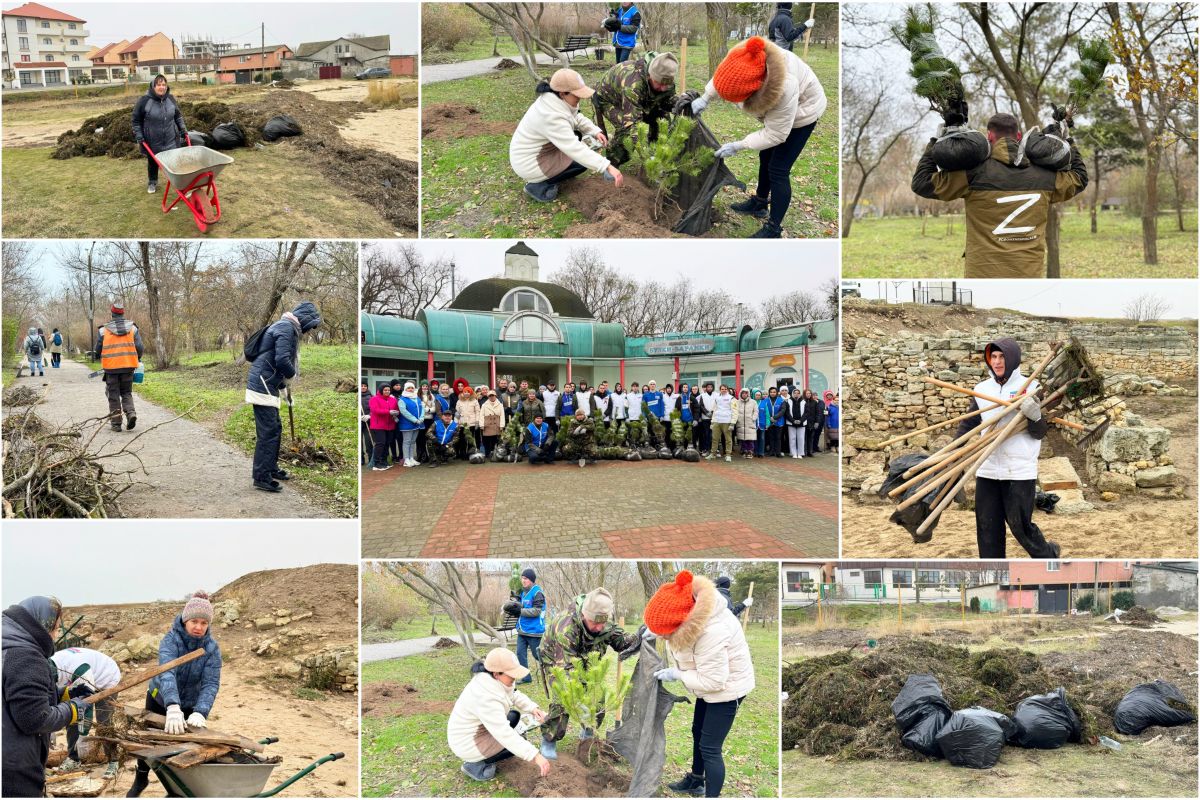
{"x": 939, "y": 79}
{"x": 668, "y": 159}
{"x": 584, "y": 692}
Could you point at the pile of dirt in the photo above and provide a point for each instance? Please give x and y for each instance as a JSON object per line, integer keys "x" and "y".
{"x": 445, "y": 644}
{"x": 507, "y": 63}
{"x": 453, "y": 120}
{"x": 611, "y": 213}
{"x": 840, "y": 704}
{"x": 329, "y": 591}
{"x": 111, "y": 134}
{"x": 22, "y": 396}
{"x": 1140, "y": 617}
{"x": 388, "y": 699}
{"x": 569, "y": 778}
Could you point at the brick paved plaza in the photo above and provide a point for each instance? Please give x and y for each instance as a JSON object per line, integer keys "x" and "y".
{"x": 766, "y": 508}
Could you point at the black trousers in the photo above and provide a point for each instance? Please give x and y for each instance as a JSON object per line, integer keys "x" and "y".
{"x": 998, "y": 502}
{"x": 422, "y": 443}
{"x": 268, "y": 431}
{"x": 775, "y": 171}
{"x": 142, "y": 777}
{"x": 573, "y": 171}
{"x": 702, "y": 435}
{"x": 514, "y": 717}
{"x": 151, "y": 167}
{"x": 774, "y": 433}
{"x": 710, "y": 725}
{"x": 382, "y": 440}
{"x": 394, "y": 446}
{"x": 368, "y": 445}
{"x": 812, "y": 439}
{"x": 118, "y": 387}
{"x": 552, "y": 422}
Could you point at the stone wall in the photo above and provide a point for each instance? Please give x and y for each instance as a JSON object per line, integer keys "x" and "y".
{"x": 1168, "y": 584}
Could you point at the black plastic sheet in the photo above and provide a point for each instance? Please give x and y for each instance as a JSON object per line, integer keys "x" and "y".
{"x": 641, "y": 738}
{"x": 695, "y": 194}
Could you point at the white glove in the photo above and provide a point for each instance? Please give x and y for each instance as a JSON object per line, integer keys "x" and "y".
{"x": 808, "y": 23}
{"x": 175, "y": 720}
{"x": 699, "y": 104}
{"x": 196, "y": 720}
{"x": 1031, "y": 408}
{"x": 727, "y": 150}
{"x": 668, "y": 674}
{"x": 647, "y": 634}
{"x": 364, "y": 417}
{"x": 748, "y": 602}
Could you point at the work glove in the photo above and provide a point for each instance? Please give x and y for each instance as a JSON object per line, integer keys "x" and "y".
{"x": 748, "y": 602}
{"x": 668, "y": 674}
{"x": 956, "y": 115}
{"x": 1031, "y": 408}
{"x": 1063, "y": 114}
{"x": 579, "y": 431}
{"x": 682, "y": 104}
{"x": 808, "y": 23}
{"x": 512, "y": 608}
{"x": 698, "y": 105}
{"x": 728, "y": 150}
{"x": 196, "y": 720}
{"x": 646, "y": 634}
{"x": 175, "y": 722}
{"x": 81, "y": 705}
{"x": 364, "y": 417}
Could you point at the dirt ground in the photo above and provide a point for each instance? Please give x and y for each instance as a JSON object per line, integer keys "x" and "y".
{"x": 390, "y": 699}
{"x": 253, "y": 701}
{"x": 627, "y": 213}
{"x": 569, "y": 778}
{"x": 389, "y": 130}
{"x": 449, "y": 120}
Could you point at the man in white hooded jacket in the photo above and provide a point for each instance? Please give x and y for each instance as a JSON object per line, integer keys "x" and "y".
{"x": 1006, "y": 483}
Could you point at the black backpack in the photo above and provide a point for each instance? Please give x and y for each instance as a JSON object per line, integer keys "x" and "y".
{"x": 253, "y": 344}
{"x": 35, "y": 348}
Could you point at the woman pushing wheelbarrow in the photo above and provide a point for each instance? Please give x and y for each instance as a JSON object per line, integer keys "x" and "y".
{"x": 158, "y": 123}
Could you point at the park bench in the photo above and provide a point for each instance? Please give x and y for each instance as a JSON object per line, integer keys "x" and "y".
{"x": 576, "y": 42}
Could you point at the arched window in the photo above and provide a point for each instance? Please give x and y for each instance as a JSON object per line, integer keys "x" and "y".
{"x": 530, "y": 326}
{"x": 524, "y": 298}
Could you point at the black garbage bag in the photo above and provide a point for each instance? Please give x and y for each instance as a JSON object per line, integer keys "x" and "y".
{"x": 281, "y": 126}
{"x": 1149, "y": 704}
{"x": 974, "y": 737}
{"x": 691, "y": 455}
{"x": 1046, "y": 150}
{"x": 665, "y": 453}
{"x": 642, "y": 739}
{"x": 499, "y": 453}
{"x": 199, "y": 139}
{"x": 911, "y": 518}
{"x": 1046, "y": 722}
{"x": 921, "y": 711}
{"x": 677, "y": 452}
{"x": 960, "y": 148}
{"x": 695, "y": 194}
{"x": 228, "y": 135}
{"x": 633, "y": 455}
{"x": 476, "y": 458}
{"x": 1045, "y": 501}
{"x": 648, "y": 453}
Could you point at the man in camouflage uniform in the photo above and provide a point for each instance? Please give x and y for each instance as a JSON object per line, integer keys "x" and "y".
{"x": 581, "y": 439}
{"x": 445, "y": 437}
{"x": 587, "y": 629}
{"x": 633, "y": 92}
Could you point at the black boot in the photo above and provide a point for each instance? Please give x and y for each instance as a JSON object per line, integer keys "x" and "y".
{"x": 753, "y": 205}
{"x": 141, "y": 780}
{"x": 691, "y": 783}
{"x": 769, "y": 230}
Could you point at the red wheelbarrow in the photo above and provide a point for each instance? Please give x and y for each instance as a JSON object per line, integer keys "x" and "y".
{"x": 192, "y": 172}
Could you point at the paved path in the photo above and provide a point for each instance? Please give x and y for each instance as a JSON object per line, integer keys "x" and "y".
{"x": 406, "y": 647}
{"x": 436, "y": 73}
{"x": 189, "y": 472}
{"x": 766, "y": 508}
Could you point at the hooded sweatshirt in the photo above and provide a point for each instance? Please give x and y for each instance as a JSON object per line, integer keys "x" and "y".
{"x": 1015, "y": 459}
{"x": 157, "y": 121}
{"x": 1007, "y": 207}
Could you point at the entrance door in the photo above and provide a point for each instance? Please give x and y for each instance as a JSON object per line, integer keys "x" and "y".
{"x": 1052, "y": 600}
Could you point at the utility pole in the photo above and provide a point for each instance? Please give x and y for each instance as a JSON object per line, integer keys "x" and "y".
{"x": 262, "y": 50}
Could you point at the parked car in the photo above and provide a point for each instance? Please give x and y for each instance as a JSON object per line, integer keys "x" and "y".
{"x": 374, "y": 72}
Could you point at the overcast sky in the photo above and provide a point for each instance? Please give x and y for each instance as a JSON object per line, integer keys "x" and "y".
{"x": 750, "y": 271}
{"x": 286, "y": 22}
{"x": 133, "y": 561}
{"x": 48, "y": 257}
{"x": 1078, "y": 298}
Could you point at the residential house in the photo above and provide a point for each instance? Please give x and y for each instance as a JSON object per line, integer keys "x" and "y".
{"x": 802, "y": 580}
{"x": 908, "y": 581}
{"x": 177, "y": 69}
{"x": 1165, "y": 583}
{"x": 43, "y": 47}
{"x": 1052, "y": 587}
{"x": 151, "y": 47}
{"x": 106, "y": 62}
{"x": 351, "y": 55}
{"x": 240, "y": 66}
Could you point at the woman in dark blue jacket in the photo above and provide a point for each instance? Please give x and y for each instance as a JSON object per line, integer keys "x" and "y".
{"x": 158, "y": 122}
{"x": 276, "y": 362}
{"x": 185, "y": 694}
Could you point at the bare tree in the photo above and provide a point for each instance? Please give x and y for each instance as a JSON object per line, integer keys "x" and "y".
{"x": 402, "y": 281}
{"x": 148, "y": 272}
{"x": 522, "y": 22}
{"x": 1146, "y": 308}
{"x": 603, "y": 290}
{"x": 455, "y": 589}
{"x": 288, "y": 262}
{"x": 793, "y": 308}
{"x": 20, "y": 285}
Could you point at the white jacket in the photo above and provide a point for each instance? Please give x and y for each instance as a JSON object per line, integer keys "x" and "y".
{"x": 545, "y": 142}
{"x": 1017, "y": 458}
{"x": 633, "y": 405}
{"x": 710, "y": 648}
{"x": 725, "y": 410}
{"x": 620, "y": 405}
{"x": 478, "y": 726}
{"x": 790, "y": 97}
{"x": 79, "y": 666}
{"x": 550, "y": 401}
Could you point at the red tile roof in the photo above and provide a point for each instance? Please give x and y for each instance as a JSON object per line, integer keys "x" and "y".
{"x": 39, "y": 11}
{"x": 134, "y": 45}
{"x": 19, "y": 65}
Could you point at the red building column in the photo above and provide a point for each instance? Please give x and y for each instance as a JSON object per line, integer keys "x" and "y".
{"x": 622, "y": 378}
{"x": 675, "y": 379}
{"x": 568, "y": 370}
{"x": 492, "y": 382}
{"x": 429, "y": 369}
{"x": 737, "y": 374}
{"x": 805, "y": 366}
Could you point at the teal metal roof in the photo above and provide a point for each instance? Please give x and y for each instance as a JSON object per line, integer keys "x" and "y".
{"x": 393, "y": 331}
{"x": 465, "y": 332}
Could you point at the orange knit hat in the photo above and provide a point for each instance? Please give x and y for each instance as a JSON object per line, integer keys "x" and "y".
{"x": 743, "y": 70}
{"x": 670, "y": 605}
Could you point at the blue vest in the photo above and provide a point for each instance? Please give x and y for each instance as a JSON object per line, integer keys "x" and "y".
{"x": 625, "y": 15}
{"x": 539, "y": 434}
{"x": 685, "y": 406}
{"x": 413, "y": 406}
{"x": 535, "y": 626}
{"x": 443, "y": 403}
{"x": 764, "y": 415}
{"x": 443, "y": 431}
{"x": 777, "y": 411}
{"x": 568, "y": 404}
{"x": 654, "y": 402}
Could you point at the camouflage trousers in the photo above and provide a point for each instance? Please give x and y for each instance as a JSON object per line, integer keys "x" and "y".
{"x": 573, "y": 451}
{"x": 554, "y": 728}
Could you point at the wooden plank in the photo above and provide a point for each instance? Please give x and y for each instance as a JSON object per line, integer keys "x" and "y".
{"x": 201, "y": 754}
{"x": 145, "y": 676}
{"x": 160, "y": 751}
{"x": 199, "y": 738}
{"x": 159, "y": 721}
{"x": 70, "y": 776}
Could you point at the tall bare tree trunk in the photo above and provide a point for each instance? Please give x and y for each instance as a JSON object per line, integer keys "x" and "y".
{"x": 1150, "y": 205}
{"x": 290, "y": 265}
{"x": 162, "y": 358}
{"x": 1096, "y": 190}
{"x": 717, "y": 35}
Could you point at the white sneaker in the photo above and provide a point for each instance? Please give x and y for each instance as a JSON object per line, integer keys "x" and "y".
{"x": 381, "y": 469}
{"x": 729, "y": 458}
{"x": 582, "y": 463}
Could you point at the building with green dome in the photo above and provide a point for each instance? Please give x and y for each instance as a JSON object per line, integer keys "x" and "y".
{"x": 519, "y": 328}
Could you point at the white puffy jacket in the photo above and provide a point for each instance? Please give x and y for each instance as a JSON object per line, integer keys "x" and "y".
{"x": 478, "y": 726}
{"x": 1017, "y": 458}
{"x": 545, "y": 143}
{"x": 710, "y": 648}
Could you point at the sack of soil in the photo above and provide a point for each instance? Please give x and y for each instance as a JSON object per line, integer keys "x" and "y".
{"x": 228, "y": 135}
{"x": 974, "y": 737}
{"x": 911, "y": 518}
{"x": 199, "y": 139}
{"x": 648, "y": 453}
{"x": 695, "y": 193}
{"x": 279, "y": 127}
{"x": 1150, "y": 704}
{"x": 1045, "y": 149}
{"x": 691, "y": 455}
{"x": 960, "y": 148}
{"x": 633, "y": 455}
{"x": 1046, "y": 722}
{"x": 921, "y": 711}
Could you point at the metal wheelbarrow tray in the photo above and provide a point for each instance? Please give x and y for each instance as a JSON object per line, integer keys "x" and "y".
{"x": 245, "y": 775}
{"x": 192, "y": 172}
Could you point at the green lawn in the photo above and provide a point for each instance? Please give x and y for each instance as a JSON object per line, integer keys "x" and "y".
{"x": 894, "y": 248}
{"x": 407, "y": 755}
{"x": 416, "y": 628}
{"x": 469, "y": 189}
{"x": 470, "y": 51}
{"x": 214, "y": 388}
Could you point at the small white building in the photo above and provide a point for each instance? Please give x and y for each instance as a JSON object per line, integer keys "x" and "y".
{"x": 44, "y": 47}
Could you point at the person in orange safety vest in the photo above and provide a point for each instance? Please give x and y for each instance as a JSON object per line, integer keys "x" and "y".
{"x": 119, "y": 348}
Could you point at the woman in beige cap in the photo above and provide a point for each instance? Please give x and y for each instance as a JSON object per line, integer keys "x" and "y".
{"x": 546, "y": 149}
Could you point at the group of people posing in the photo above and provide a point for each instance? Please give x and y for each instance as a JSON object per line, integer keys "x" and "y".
{"x": 694, "y": 617}
{"x": 436, "y": 423}
{"x": 556, "y": 142}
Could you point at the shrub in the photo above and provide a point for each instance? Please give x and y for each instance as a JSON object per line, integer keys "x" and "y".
{"x": 974, "y": 605}
{"x": 385, "y": 602}
{"x": 1123, "y": 599}
{"x": 1084, "y": 602}
{"x": 444, "y": 26}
